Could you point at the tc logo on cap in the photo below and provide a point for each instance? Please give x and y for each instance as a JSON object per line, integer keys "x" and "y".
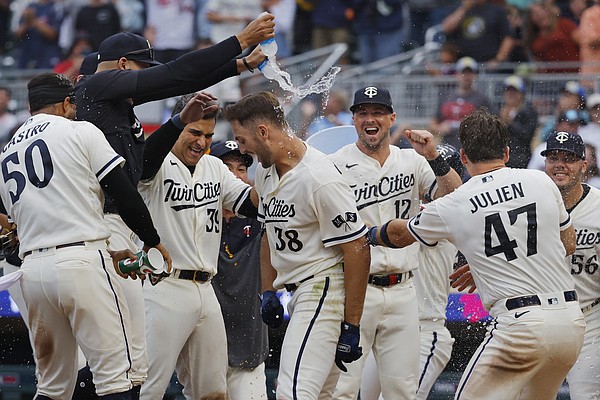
{"x": 562, "y": 137}
{"x": 231, "y": 145}
{"x": 370, "y": 91}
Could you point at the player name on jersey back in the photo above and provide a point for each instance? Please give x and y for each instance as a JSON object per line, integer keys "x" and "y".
{"x": 502, "y": 194}
{"x": 26, "y": 134}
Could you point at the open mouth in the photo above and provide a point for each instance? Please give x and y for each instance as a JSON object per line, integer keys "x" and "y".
{"x": 371, "y": 130}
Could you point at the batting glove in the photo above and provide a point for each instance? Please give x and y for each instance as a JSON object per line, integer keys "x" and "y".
{"x": 271, "y": 309}
{"x": 348, "y": 349}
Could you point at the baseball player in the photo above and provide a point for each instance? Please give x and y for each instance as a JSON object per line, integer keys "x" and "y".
{"x": 514, "y": 230}
{"x": 185, "y": 191}
{"x": 566, "y": 166}
{"x": 236, "y": 286}
{"x": 316, "y": 245}
{"x": 54, "y": 171}
{"x": 388, "y": 182}
{"x": 433, "y": 287}
{"x": 126, "y": 76}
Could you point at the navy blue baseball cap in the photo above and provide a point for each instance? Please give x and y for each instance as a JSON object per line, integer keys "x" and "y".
{"x": 89, "y": 64}
{"x": 372, "y": 95}
{"x": 128, "y": 45}
{"x": 565, "y": 141}
{"x": 230, "y": 148}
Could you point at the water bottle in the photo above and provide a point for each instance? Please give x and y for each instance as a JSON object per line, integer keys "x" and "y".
{"x": 269, "y": 47}
{"x": 267, "y": 69}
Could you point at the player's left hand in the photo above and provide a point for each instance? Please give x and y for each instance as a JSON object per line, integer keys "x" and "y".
{"x": 422, "y": 142}
{"x": 348, "y": 349}
{"x": 196, "y": 108}
{"x": 255, "y": 57}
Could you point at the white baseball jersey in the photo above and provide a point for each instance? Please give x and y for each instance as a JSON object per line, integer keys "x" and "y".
{"x": 431, "y": 279}
{"x": 34, "y": 166}
{"x": 186, "y": 207}
{"x": 386, "y": 192}
{"x": 584, "y": 262}
{"x": 307, "y": 212}
{"x": 506, "y": 222}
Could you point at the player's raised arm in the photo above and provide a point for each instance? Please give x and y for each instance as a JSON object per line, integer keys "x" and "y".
{"x": 394, "y": 234}
{"x": 423, "y": 143}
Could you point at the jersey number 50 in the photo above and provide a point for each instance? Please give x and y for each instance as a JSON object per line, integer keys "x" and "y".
{"x": 493, "y": 222}
{"x": 30, "y": 169}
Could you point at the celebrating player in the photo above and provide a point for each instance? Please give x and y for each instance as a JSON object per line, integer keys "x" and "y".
{"x": 387, "y": 183}
{"x": 54, "y": 171}
{"x": 566, "y": 166}
{"x": 236, "y": 286}
{"x": 127, "y": 75}
{"x": 495, "y": 220}
{"x": 317, "y": 248}
{"x": 185, "y": 191}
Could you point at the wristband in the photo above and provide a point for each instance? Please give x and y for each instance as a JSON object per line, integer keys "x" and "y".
{"x": 372, "y": 236}
{"x": 384, "y": 237}
{"x": 248, "y": 67}
{"x": 177, "y": 122}
{"x": 439, "y": 166}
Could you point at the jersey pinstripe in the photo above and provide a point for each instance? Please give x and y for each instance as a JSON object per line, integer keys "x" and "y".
{"x": 386, "y": 192}
{"x": 34, "y": 166}
{"x": 186, "y": 207}
{"x": 584, "y": 262}
{"x": 506, "y": 223}
{"x": 307, "y": 212}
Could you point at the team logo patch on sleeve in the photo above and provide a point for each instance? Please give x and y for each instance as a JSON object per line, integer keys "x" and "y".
{"x": 351, "y": 217}
{"x": 338, "y": 221}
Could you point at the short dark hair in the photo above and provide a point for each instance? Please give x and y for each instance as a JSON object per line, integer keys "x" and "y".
{"x": 48, "y": 88}
{"x": 256, "y": 107}
{"x": 183, "y": 100}
{"x": 483, "y": 136}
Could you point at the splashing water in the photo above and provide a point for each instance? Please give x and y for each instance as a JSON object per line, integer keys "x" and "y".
{"x": 323, "y": 85}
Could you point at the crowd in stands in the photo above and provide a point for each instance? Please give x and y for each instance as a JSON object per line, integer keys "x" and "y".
{"x": 475, "y": 34}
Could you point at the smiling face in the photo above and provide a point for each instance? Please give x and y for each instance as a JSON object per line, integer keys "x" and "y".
{"x": 194, "y": 141}
{"x": 250, "y": 139}
{"x": 373, "y": 123}
{"x": 565, "y": 169}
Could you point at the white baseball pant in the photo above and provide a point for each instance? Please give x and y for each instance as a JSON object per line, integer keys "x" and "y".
{"x": 584, "y": 377}
{"x": 71, "y": 299}
{"x": 185, "y": 332}
{"x": 123, "y": 238}
{"x": 307, "y": 369}
{"x": 526, "y": 353}
{"x": 247, "y": 383}
{"x": 390, "y": 328}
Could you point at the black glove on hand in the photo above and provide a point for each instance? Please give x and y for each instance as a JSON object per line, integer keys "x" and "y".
{"x": 271, "y": 309}
{"x": 348, "y": 349}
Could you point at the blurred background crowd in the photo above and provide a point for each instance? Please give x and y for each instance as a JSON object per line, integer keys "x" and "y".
{"x": 534, "y": 62}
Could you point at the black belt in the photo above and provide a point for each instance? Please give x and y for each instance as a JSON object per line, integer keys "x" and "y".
{"x": 60, "y": 246}
{"x": 290, "y": 287}
{"x": 590, "y": 306}
{"x": 389, "y": 280}
{"x": 534, "y": 300}
{"x": 193, "y": 275}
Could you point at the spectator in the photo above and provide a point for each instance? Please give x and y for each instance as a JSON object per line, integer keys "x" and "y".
{"x": 571, "y": 97}
{"x": 589, "y": 41}
{"x": 171, "y": 28}
{"x": 424, "y": 14}
{"x": 592, "y": 174}
{"x": 131, "y": 15}
{"x": 37, "y": 35}
{"x": 336, "y": 114}
{"x": 379, "y": 29}
{"x": 521, "y": 118}
{"x": 590, "y": 133}
{"x": 568, "y": 121}
{"x": 481, "y": 30}
{"x": 458, "y": 103}
{"x": 99, "y": 20}
{"x": 331, "y": 23}
{"x": 446, "y": 60}
{"x": 69, "y": 67}
{"x": 8, "y": 121}
{"x": 550, "y": 37}
{"x": 284, "y": 12}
